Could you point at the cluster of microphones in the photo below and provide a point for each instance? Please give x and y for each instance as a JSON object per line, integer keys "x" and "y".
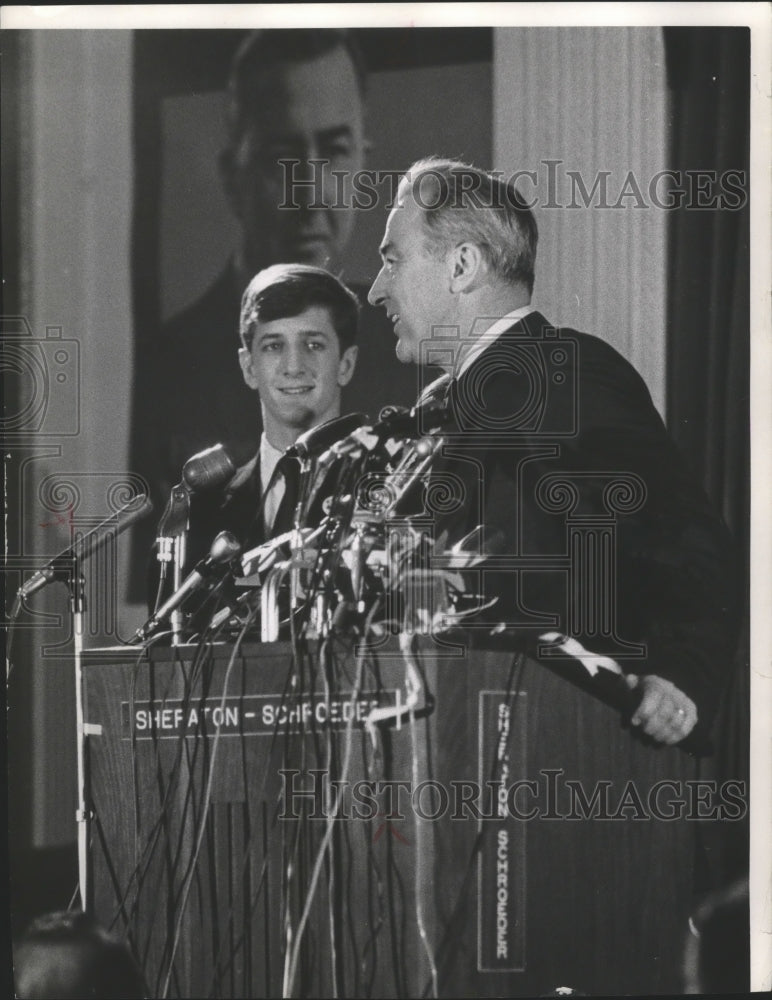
{"x": 213, "y": 468}
{"x": 345, "y": 442}
{"x": 346, "y": 439}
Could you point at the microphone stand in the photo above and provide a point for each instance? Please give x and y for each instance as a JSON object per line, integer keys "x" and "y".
{"x": 75, "y": 582}
{"x": 338, "y": 520}
{"x": 172, "y": 544}
{"x": 296, "y": 542}
{"x": 83, "y": 815}
{"x": 65, "y": 568}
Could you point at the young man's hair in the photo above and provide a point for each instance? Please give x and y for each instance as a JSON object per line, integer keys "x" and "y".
{"x": 67, "y": 954}
{"x": 286, "y": 290}
{"x": 461, "y": 202}
{"x": 254, "y": 66}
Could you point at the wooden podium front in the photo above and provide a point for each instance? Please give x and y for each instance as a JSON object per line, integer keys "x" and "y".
{"x": 487, "y": 843}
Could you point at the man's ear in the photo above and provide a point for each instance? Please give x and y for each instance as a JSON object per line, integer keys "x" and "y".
{"x": 347, "y": 364}
{"x": 247, "y": 367}
{"x": 466, "y": 265}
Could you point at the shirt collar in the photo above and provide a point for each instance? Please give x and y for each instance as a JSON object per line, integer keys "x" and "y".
{"x": 478, "y": 345}
{"x": 491, "y": 333}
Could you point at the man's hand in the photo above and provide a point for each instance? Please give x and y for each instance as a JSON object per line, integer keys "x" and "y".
{"x": 665, "y": 713}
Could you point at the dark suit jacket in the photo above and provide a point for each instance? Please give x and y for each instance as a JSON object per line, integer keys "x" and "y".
{"x": 556, "y": 446}
{"x": 240, "y": 513}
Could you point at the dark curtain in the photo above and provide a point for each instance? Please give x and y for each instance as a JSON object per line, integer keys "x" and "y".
{"x": 708, "y": 334}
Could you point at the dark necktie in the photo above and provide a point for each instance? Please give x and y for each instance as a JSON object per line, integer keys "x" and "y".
{"x": 289, "y": 467}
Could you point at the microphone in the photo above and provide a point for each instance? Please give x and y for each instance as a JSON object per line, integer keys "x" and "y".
{"x": 319, "y": 439}
{"x": 224, "y": 549}
{"x": 58, "y": 568}
{"x": 391, "y": 409}
{"x": 361, "y": 440}
{"x": 398, "y": 422}
{"x": 393, "y": 421}
{"x": 208, "y": 469}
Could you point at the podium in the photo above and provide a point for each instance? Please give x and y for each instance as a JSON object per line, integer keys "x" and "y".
{"x": 467, "y": 823}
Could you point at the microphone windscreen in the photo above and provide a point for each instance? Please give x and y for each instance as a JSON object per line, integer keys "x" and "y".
{"x": 399, "y": 422}
{"x": 208, "y": 469}
{"x": 392, "y": 411}
{"x": 224, "y": 548}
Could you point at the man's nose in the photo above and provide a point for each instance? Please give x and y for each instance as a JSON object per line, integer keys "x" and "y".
{"x": 294, "y": 361}
{"x": 376, "y": 294}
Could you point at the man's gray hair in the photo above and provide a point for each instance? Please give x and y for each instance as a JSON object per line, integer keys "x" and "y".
{"x": 460, "y": 202}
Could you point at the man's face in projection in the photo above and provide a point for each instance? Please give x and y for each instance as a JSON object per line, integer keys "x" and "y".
{"x": 307, "y": 110}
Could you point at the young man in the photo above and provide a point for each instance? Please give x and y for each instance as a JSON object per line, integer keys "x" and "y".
{"x": 298, "y": 328}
